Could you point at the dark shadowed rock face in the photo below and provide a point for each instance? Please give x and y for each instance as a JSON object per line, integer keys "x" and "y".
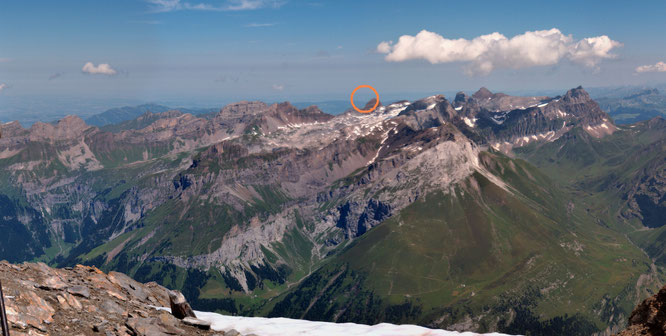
{"x": 460, "y": 98}
{"x": 84, "y": 301}
{"x": 371, "y": 103}
{"x": 649, "y": 317}
{"x": 577, "y": 95}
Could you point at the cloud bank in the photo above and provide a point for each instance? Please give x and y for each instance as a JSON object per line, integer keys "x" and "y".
{"x": 101, "y": 69}
{"x": 230, "y": 5}
{"x": 487, "y": 53}
{"x": 659, "y": 67}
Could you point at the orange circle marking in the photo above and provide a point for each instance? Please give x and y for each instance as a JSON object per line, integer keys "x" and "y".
{"x": 351, "y": 98}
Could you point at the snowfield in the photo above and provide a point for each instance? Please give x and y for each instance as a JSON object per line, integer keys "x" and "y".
{"x": 262, "y": 326}
{"x": 280, "y": 326}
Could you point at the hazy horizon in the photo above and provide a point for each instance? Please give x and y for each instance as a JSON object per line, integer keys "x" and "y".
{"x": 53, "y": 107}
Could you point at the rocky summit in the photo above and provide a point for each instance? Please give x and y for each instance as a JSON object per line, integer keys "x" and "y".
{"x": 83, "y": 300}
{"x": 649, "y": 317}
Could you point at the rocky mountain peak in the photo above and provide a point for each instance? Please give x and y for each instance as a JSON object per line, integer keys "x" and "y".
{"x": 577, "y": 95}
{"x": 242, "y": 108}
{"x": 483, "y": 93}
{"x": 72, "y": 121}
{"x": 290, "y": 114}
{"x": 656, "y": 122}
{"x": 313, "y": 109}
{"x": 371, "y": 103}
{"x": 285, "y": 107}
{"x": 461, "y": 97}
{"x": 69, "y": 127}
{"x": 429, "y": 112}
{"x": 11, "y": 128}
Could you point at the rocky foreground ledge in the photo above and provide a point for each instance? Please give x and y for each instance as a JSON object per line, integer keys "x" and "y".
{"x": 82, "y": 300}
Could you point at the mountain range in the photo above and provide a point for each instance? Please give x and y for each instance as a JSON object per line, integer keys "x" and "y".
{"x": 488, "y": 212}
{"x": 630, "y": 106}
{"x": 127, "y": 113}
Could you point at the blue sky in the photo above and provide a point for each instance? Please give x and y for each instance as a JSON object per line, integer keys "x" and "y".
{"x": 304, "y": 50}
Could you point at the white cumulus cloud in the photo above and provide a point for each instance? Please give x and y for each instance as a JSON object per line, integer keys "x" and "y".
{"x": 278, "y": 87}
{"x": 101, "y": 69}
{"x": 3, "y": 86}
{"x": 385, "y": 47}
{"x": 658, "y": 67}
{"x": 486, "y": 53}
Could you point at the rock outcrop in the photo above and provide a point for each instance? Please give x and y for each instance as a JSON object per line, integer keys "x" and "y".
{"x": 649, "y": 317}
{"x": 179, "y": 306}
{"x": 82, "y": 300}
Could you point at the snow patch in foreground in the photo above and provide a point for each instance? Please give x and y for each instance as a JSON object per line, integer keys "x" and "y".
{"x": 280, "y": 326}
{"x": 286, "y": 327}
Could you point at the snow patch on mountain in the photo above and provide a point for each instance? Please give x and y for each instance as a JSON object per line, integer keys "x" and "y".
{"x": 499, "y": 117}
{"x": 381, "y": 145}
{"x": 602, "y": 129}
{"x": 347, "y": 126}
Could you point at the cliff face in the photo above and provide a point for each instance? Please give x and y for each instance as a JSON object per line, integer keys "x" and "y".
{"x": 84, "y": 301}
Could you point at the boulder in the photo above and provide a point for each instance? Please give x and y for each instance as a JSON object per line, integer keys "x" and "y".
{"x": 81, "y": 291}
{"x": 179, "y": 306}
{"x": 52, "y": 283}
{"x": 151, "y": 327}
{"x": 195, "y": 322}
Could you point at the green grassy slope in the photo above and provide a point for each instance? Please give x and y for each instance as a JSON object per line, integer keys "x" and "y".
{"x": 515, "y": 260}
{"x": 593, "y": 170}
{"x": 599, "y": 173}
